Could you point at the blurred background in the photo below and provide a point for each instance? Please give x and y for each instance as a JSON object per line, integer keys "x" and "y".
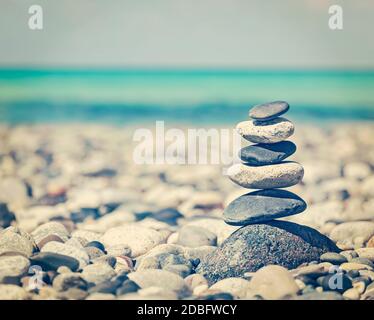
{"x": 186, "y": 61}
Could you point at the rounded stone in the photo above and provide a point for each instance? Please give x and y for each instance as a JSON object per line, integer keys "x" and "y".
{"x": 14, "y": 240}
{"x": 50, "y": 228}
{"x": 271, "y": 131}
{"x": 159, "y": 278}
{"x": 193, "y": 236}
{"x": 263, "y": 205}
{"x": 333, "y": 257}
{"x": 272, "y": 176}
{"x": 97, "y": 273}
{"x": 263, "y": 154}
{"x": 268, "y": 111}
{"x": 96, "y": 244}
{"x": 273, "y": 282}
{"x": 13, "y": 292}
{"x": 255, "y": 246}
{"x": 6, "y": 217}
{"x": 12, "y": 268}
{"x": 139, "y": 239}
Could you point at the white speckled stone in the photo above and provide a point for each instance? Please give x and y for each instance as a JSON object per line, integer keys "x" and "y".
{"x": 280, "y": 175}
{"x": 271, "y": 131}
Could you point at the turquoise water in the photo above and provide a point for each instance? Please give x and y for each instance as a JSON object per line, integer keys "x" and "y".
{"x": 210, "y": 96}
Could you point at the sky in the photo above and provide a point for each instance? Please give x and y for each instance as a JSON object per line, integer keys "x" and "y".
{"x": 187, "y": 34}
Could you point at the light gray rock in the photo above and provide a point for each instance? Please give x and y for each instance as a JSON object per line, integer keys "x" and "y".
{"x": 271, "y": 131}
{"x": 237, "y": 287}
{"x": 280, "y": 175}
{"x": 159, "y": 278}
{"x": 139, "y": 239}
{"x": 13, "y": 292}
{"x": 50, "y": 228}
{"x": 12, "y": 268}
{"x": 350, "y": 235}
{"x": 192, "y": 236}
{"x": 13, "y": 239}
{"x": 97, "y": 273}
{"x": 272, "y": 283}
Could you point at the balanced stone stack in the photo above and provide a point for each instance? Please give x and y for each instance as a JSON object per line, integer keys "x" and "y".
{"x": 264, "y": 168}
{"x": 262, "y": 240}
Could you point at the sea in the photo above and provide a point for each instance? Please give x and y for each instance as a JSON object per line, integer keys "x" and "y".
{"x": 192, "y": 96}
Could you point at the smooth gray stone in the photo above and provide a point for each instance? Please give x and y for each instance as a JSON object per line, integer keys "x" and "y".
{"x": 254, "y": 246}
{"x": 262, "y": 153}
{"x": 262, "y": 206}
{"x": 268, "y": 111}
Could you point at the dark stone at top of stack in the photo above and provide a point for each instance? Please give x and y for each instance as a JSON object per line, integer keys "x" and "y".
{"x": 268, "y": 111}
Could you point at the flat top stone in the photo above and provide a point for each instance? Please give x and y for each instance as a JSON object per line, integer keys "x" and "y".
{"x": 263, "y": 205}
{"x": 268, "y": 110}
{"x": 265, "y": 153}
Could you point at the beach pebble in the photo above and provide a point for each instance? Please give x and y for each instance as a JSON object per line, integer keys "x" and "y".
{"x": 271, "y": 131}
{"x": 179, "y": 269}
{"x": 12, "y": 268}
{"x": 336, "y": 282}
{"x": 273, "y": 282}
{"x": 263, "y": 154}
{"x": 357, "y": 170}
{"x": 94, "y": 253}
{"x": 320, "y": 296}
{"x": 159, "y": 278}
{"x": 349, "y": 266}
{"x": 370, "y": 243}
{"x": 127, "y": 287}
{"x": 48, "y": 229}
{"x": 6, "y": 217}
{"x": 367, "y": 186}
{"x": 168, "y": 215}
{"x": 49, "y": 238}
{"x": 139, "y": 239}
{"x": 253, "y": 246}
{"x": 333, "y": 257}
{"x": 67, "y": 281}
{"x": 268, "y": 111}
{"x": 14, "y": 240}
{"x": 193, "y": 236}
{"x": 14, "y": 191}
{"x": 352, "y": 294}
{"x": 367, "y": 253}
{"x": 89, "y": 236}
{"x": 50, "y": 261}
{"x": 101, "y": 296}
{"x": 13, "y": 292}
{"x": 350, "y": 235}
{"x": 261, "y": 206}
{"x": 97, "y": 273}
{"x": 62, "y": 248}
{"x": 195, "y": 280}
{"x": 237, "y": 287}
{"x": 280, "y": 175}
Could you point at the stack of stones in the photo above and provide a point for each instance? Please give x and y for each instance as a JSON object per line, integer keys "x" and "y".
{"x": 262, "y": 240}
{"x": 264, "y": 168}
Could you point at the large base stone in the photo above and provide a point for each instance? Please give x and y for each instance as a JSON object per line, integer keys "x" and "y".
{"x": 254, "y": 246}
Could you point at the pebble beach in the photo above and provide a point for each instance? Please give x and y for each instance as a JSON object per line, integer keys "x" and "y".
{"x": 80, "y": 220}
